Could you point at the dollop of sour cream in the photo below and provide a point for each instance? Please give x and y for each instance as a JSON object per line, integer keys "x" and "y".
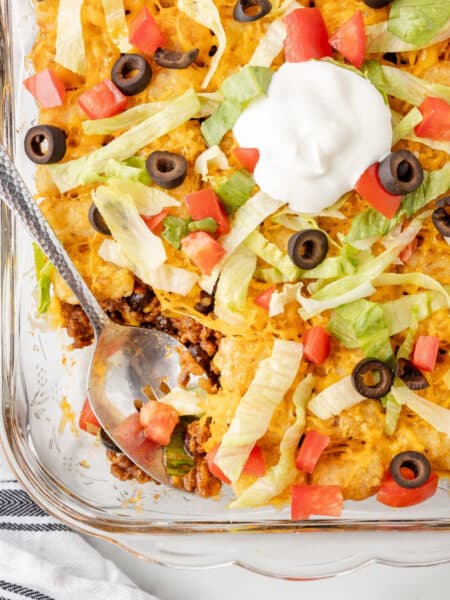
{"x": 317, "y": 130}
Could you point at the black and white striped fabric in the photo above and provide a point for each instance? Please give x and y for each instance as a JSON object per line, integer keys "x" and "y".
{"x": 41, "y": 559}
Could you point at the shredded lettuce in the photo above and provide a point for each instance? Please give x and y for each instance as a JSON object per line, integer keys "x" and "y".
{"x": 359, "y": 285}
{"x": 232, "y": 287}
{"x": 44, "y": 269}
{"x": 125, "y": 170}
{"x": 370, "y": 225}
{"x": 280, "y": 299}
{"x": 176, "y": 460}
{"x": 393, "y": 411}
{"x": 407, "y": 346}
{"x": 362, "y": 324}
{"x": 399, "y": 314}
{"x": 274, "y": 376}
{"x": 127, "y": 227}
{"x": 437, "y": 416}
{"x": 381, "y": 40}
{"x": 190, "y": 401}
{"x": 70, "y": 49}
{"x": 117, "y": 24}
{"x": 214, "y": 157}
{"x": 245, "y": 220}
{"x": 148, "y": 201}
{"x": 406, "y": 126}
{"x": 235, "y": 191}
{"x": 141, "y": 112}
{"x": 419, "y": 280}
{"x": 270, "y": 253}
{"x": 69, "y": 175}
{"x": 403, "y": 85}
{"x": 435, "y": 144}
{"x": 165, "y": 278}
{"x": 269, "y": 275}
{"x": 238, "y": 90}
{"x": 284, "y": 473}
{"x": 205, "y": 13}
{"x": 334, "y": 399}
{"x": 434, "y": 184}
{"x": 418, "y": 22}
{"x": 271, "y": 43}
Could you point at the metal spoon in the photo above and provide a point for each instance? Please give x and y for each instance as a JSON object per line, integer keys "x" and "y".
{"x": 126, "y": 359}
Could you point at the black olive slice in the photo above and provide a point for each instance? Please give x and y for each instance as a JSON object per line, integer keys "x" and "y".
{"x": 45, "y": 144}
{"x": 246, "y": 11}
{"x": 107, "y": 441}
{"x": 167, "y": 169}
{"x": 415, "y": 462}
{"x": 410, "y": 375}
{"x": 308, "y": 248}
{"x": 377, "y": 3}
{"x": 131, "y": 73}
{"x": 400, "y": 172}
{"x": 441, "y": 216}
{"x": 97, "y": 221}
{"x": 171, "y": 59}
{"x": 376, "y": 370}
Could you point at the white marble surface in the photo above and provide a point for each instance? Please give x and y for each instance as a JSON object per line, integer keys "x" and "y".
{"x": 231, "y": 583}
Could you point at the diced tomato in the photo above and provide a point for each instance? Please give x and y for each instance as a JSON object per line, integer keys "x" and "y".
{"x": 307, "y": 35}
{"x": 203, "y": 250}
{"x": 206, "y": 203}
{"x": 311, "y": 450}
{"x": 256, "y": 463}
{"x": 425, "y": 352}
{"x": 307, "y": 500}
{"x": 350, "y": 40}
{"x": 103, "y": 100}
{"x": 158, "y": 420}
{"x": 47, "y": 89}
{"x": 213, "y": 468}
{"x": 88, "y": 421}
{"x": 155, "y": 221}
{"x": 436, "y": 120}
{"x": 129, "y": 433}
{"x": 248, "y": 157}
{"x": 145, "y": 34}
{"x": 408, "y": 251}
{"x": 369, "y": 187}
{"x": 263, "y": 300}
{"x": 316, "y": 345}
{"x": 394, "y": 495}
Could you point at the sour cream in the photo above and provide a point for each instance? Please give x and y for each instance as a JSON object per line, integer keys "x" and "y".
{"x": 317, "y": 130}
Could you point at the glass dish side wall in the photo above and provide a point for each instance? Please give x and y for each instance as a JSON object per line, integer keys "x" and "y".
{"x": 67, "y": 475}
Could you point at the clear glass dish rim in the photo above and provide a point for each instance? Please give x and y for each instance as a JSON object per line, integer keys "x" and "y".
{"x": 44, "y": 489}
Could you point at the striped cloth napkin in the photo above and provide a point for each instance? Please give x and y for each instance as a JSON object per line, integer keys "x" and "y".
{"x": 41, "y": 559}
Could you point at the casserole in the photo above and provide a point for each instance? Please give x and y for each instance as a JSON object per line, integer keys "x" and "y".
{"x": 68, "y": 476}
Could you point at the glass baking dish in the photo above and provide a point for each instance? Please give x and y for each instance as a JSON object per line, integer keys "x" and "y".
{"x": 69, "y": 476}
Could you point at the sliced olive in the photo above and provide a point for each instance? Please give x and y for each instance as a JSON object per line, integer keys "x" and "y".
{"x": 308, "y": 248}
{"x": 167, "y": 169}
{"x": 107, "y": 441}
{"x": 441, "y": 216}
{"x": 97, "y": 221}
{"x": 372, "y": 378}
{"x": 45, "y": 144}
{"x": 131, "y": 73}
{"x": 410, "y": 375}
{"x": 415, "y": 462}
{"x": 171, "y": 59}
{"x": 400, "y": 172}
{"x": 377, "y": 3}
{"x": 246, "y": 11}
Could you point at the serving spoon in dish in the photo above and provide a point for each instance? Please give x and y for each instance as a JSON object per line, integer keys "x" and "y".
{"x": 126, "y": 359}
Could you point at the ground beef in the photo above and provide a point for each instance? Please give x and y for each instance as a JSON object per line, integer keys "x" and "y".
{"x": 199, "y": 481}
{"x": 77, "y": 325}
{"x": 197, "y": 435}
{"x": 122, "y": 468}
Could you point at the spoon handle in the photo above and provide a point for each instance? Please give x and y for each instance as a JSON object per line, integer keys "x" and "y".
{"x": 17, "y": 197}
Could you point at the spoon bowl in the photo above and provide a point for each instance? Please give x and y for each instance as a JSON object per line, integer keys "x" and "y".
{"x": 127, "y": 361}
